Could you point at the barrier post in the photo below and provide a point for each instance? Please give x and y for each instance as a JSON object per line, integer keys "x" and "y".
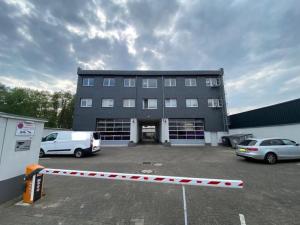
{"x": 33, "y": 183}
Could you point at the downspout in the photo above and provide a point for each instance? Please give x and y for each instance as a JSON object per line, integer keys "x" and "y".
{"x": 163, "y": 92}
{"x": 225, "y": 120}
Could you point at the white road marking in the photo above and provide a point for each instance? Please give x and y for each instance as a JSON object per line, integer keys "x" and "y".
{"x": 184, "y": 206}
{"x": 137, "y": 221}
{"x": 242, "y": 219}
{"x": 21, "y": 203}
{"x": 45, "y": 158}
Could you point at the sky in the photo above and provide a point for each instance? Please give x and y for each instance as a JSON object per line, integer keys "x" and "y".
{"x": 256, "y": 42}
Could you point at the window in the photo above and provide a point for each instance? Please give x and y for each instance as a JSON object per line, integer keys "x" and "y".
{"x": 248, "y": 143}
{"x": 170, "y": 103}
{"x": 129, "y": 82}
{"x": 86, "y": 102}
{"x": 190, "y": 82}
{"x": 107, "y": 103}
{"x": 51, "y": 137}
{"x": 150, "y": 104}
{"x": 129, "y": 103}
{"x": 170, "y": 82}
{"x": 272, "y": 142}
{"x": 213, "y": 82}
{"x": 88, "y": 82}
{"x": 109, "y": 82}
{"x": 191, "y": 103}
{"x": 215, "y": 103}
{"x": 149, "y": 83}
{"x": 288, "y": 142}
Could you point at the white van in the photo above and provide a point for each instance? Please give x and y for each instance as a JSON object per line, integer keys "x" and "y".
{"x": 75, "y": 143}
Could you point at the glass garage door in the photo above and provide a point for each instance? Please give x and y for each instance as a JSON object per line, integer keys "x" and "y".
{"x": 186, "y": 131}
{"x": 114, "y": 129}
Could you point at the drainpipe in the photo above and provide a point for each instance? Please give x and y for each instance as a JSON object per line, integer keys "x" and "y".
{"x": 163, "y": 92}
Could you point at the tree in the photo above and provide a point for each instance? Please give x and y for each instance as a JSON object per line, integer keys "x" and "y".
{"x": 57, "y": 108}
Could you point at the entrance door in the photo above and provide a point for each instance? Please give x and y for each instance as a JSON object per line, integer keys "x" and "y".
{"x": 149, "y": 134}
{"x": 149, "y": 131}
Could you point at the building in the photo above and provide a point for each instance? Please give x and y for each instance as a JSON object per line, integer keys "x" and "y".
{"x": 180, "y": 107}
{"x": 280, "y": 120}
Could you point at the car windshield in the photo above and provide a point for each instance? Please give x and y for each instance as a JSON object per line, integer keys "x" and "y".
{"x": 248, "y": 142}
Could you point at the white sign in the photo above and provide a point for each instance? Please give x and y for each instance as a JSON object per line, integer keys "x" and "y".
{"x": 25, "y": 128}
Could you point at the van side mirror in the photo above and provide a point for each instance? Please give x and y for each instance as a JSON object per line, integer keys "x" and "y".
{"x": 297, "y": 144}
{"x": 43, "y": 139}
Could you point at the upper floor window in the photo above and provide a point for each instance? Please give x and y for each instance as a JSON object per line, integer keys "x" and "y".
{"x": 215, "y": 103}
{"x": 109, "y": 82}
{"x": 213, "y": 82}
{"x": 149, "y": 83}
{"x": 171, "y": 103}
{"x": 191, "y": 102}
{"x": 150, "y": 104}
{"x": 170, "y": 82}
{"x": 129, "y": 82}
{"x": 88, "y": 82}
{"x": 86, "y": 102}
{"x": 190, "y": 82}
{"x": 129, "y": 103}
{"x": 107, "y": 103}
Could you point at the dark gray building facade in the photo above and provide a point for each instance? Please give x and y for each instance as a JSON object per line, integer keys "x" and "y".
{"x": 185, "y": 107}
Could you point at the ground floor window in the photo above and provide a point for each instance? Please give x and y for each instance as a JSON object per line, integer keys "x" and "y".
{"x": 186, "y": 129}
{"x": 113, "y": 129}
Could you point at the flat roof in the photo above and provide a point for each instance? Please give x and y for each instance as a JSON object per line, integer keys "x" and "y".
{"x": 218, "y": 72}
{"x": 18, "y": 117}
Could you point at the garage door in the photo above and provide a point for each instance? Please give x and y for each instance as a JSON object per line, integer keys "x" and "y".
{"x": 115, "y": 131}
{"x": 186, "y": 131}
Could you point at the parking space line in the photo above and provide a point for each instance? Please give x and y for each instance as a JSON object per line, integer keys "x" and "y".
{"x": 242, "y": 219}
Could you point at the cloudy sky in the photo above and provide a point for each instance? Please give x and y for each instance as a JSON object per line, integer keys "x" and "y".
{"x": 256, "y": 42}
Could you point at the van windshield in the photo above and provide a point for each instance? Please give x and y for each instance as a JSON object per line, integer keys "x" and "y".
{"x": 248, "y": 142}
{"x": 96, "y": 135}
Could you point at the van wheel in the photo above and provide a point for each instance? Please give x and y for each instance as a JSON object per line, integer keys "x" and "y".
{"x": 78, "y": 153}
{"x": 42, "y": 153}
{"x": 271, "y": 158}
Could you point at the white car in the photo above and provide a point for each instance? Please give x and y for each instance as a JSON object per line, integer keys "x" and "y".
{"x": 75, "y": 143}
{"x": 269, "y": 149}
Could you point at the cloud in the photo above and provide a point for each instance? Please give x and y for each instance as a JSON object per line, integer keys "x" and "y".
{"x": 257, "y": 43}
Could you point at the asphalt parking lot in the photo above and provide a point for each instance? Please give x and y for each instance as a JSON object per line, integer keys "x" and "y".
{"x": 271, "y": 194}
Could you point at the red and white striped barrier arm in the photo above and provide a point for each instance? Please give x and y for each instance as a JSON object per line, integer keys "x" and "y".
{"x": 147, "y": 178}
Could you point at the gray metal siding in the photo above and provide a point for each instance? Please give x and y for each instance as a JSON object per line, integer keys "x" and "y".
{"x": 85, "y": 118}
{"x": 279, "y": 114}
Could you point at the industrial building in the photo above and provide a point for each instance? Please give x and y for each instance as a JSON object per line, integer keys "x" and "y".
{"x": 279, "y": 120}
{"x": 176, "y": 107}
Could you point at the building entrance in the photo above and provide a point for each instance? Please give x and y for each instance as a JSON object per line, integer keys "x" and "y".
{"x": 149, "y": 131}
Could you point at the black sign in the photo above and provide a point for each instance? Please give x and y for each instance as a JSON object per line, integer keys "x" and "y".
{"x": 38, "y": 186}
{"x": 23, "y": 145}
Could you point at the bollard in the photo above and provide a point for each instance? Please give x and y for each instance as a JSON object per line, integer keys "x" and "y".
{"x": 33, "y": 183}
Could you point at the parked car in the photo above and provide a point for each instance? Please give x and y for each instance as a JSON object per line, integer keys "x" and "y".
{"x": 234, "y": 139}
{"x": 269, "y": 149}
{"x": 70, "y": 143}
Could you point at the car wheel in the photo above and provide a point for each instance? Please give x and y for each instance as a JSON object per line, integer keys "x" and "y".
{"x": 42, "y": 153}
{"x": 271, "y": 158}
{"x": 78, "y": 153}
